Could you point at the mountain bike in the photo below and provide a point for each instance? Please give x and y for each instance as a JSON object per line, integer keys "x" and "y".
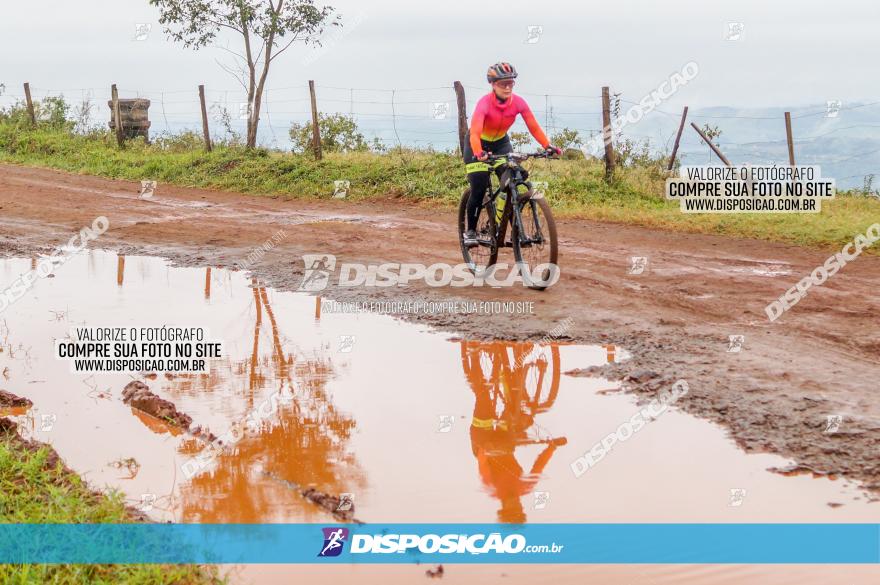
{"x": 522, "y": 374}
{"x": 525, "y": 211}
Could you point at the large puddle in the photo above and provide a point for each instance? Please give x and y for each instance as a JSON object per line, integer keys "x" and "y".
{"x": 415, "y": 425}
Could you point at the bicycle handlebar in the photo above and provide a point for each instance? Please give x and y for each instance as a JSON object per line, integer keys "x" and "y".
{"x": 558, "y": 441}
{"x": 517, "y": 156}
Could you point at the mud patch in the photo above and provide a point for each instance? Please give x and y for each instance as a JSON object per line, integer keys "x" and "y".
{"x": 342, "y": 409}
{"x": 773, "y": 399}
{"x": 138, "y": 395}
{"x": 341, "y": 508}
{"x": 10, "y": 400}
{"x": 332, "y": 504}
{"x": 435, "y": 573}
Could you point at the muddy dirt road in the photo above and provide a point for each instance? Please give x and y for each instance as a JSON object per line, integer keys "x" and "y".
{"x": 675, "y": 318}
{"x": 672, "y": 321}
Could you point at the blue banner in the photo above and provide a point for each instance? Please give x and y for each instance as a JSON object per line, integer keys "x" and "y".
{"x": 447, "y": 543}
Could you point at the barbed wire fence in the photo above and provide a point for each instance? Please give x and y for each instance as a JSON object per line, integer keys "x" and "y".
{"x": 426, "y": 118}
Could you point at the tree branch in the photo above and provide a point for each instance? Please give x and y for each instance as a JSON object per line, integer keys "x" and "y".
{"x": 287, "y": 46}
{"x": 223, "y": 24}
{"x": 228, "y": 50}
{"x": 237, "y": 74}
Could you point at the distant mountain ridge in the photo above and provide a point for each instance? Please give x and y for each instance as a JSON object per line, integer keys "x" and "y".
{"x": 845, "y": 142}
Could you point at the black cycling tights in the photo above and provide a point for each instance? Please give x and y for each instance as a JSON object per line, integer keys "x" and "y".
{"x": 479, "y": 180}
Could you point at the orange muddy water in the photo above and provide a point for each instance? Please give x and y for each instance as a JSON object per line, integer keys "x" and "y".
{"x": 414, "y": 425}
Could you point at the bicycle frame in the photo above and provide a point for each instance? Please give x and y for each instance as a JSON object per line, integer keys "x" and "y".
{"x": 509, "y": 382}
{"x": 513, "y": 175}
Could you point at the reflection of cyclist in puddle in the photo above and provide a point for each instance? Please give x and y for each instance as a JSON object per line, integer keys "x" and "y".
{"x": 507, "y": 400}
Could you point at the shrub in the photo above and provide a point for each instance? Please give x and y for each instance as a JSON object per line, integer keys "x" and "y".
{"x": 339, "y": 133}
{"x": 50, "y": 112}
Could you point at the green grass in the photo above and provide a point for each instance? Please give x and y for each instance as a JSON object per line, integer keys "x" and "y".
{"x": 576, "y": 187}
{"x": 33, "y": 489}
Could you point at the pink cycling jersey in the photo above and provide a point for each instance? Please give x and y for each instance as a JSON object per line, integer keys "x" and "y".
{"x": 492, "y": 119}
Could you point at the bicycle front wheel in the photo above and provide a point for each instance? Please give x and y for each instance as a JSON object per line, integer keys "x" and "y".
{"x": 535, "y": 246}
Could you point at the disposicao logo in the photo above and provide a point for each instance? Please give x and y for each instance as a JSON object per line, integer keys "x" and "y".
{"x": 444, "y": 544}
{"x": 334, "y": 541}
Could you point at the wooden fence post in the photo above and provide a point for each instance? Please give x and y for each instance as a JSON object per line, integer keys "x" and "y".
{"x": 117, "y": 116}
{"x": 712, "y": 146}
{"x": 316, "y": 131}
{"x": 606, "y": 134}
{"x": 462, "y": 114}
{"x": 205, "y": 120}
{"x": 120, "y": 270}
{"x": 30, "y": 103}
{"x": 684, "y": 115}
{"x": 789, "y": 138}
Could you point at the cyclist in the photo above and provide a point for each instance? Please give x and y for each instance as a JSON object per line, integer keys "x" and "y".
{"x": 494, "y": 115}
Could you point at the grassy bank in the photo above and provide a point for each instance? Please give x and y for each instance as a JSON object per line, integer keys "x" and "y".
{"x": 576, "y": 187}
{"x": 35, "y": 487}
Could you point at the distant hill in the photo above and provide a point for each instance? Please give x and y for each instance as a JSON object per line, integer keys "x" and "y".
{"x": 846, "y": 146}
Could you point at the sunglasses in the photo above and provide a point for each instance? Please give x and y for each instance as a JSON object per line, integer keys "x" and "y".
{"x": 505, "y": 84}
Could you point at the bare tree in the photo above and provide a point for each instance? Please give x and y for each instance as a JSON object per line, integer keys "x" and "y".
{"x": 267, "y": 28}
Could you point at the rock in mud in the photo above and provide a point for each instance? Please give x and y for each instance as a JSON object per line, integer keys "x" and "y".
{"x": 435, "y": 573}
{"x": 585, "y": 372}
{"x": 8, "y": 426}
{"x": 8, "y": 399}
{"x": 137, "y": 395}
{"x": 330, "y": 503}
{"x": 642, "y": 376}
{"x": 797, "y": 469}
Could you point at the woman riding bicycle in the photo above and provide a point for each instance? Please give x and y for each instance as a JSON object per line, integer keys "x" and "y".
{"x": 494, "y": 115}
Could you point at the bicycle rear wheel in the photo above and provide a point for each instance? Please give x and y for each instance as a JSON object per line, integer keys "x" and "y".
{"x": 536, "y": 249}
{"x": 481, "y": 257}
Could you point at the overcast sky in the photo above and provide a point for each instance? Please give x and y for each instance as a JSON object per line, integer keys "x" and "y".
{"x": 790, "y": 52}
